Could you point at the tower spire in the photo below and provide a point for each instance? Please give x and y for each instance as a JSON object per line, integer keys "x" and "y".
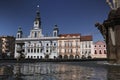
{"x": 37, "y": 22}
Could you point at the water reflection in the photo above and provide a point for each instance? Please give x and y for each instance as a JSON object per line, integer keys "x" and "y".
{"x": 58, "y": 71}
{"x": 113, "y": 73}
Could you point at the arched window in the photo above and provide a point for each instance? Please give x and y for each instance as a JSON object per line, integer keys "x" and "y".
{"x": 35, "y": 34}
{"x": 18, "y": 36}
{"x": 71, "y": 51}
{"x": 77, "y": 56}
{"x": 65, "y": 57}
{"x": 95, "y": 52}
{"x": 100, "y": 52}
{"x": 34, "y": 50}
{"x": 55, "y": 34}
{"x": 71, "y": 56}
{"x": 60, "y": 56}
{"x": 105, "y": 52}
{"x": 37, "y": 50}
{"x": 31, "y": 50}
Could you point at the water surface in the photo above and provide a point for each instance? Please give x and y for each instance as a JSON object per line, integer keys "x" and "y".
{"x": 59, "y": 71}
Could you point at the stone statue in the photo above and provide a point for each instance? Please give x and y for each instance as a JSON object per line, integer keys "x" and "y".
{"x": 110, "y": 29}
{"x": 114, "y": 4}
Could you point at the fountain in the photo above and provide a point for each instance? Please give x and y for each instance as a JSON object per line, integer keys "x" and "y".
{"x": 110, "y": 29}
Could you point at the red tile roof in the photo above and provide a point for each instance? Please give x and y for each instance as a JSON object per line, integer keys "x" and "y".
{"x": 86, "y": 38}
{"x": 65, "y": 35}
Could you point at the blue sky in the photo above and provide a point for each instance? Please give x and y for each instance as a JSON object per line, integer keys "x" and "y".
{"x": 71, "y": 16}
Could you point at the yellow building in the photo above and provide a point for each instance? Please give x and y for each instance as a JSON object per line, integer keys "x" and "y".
{"x": 69, "y": 46}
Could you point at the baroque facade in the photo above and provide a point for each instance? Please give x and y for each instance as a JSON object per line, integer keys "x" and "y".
{"x": 36, "y": 46}
{"x": 69, "y": 46}
{"x": 100, "y": 50}
{"x": 62, "y": 46}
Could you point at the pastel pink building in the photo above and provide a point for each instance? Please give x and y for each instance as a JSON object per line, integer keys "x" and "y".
{"x": 100, "y": 50}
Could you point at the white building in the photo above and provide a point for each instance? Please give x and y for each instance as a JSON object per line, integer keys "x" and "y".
{"x": 86, "y": 46}
{"x": 36, "y": 46}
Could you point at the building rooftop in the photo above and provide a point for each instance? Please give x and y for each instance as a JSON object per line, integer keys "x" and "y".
{"x": 86, "y": 38}
{"x": 71, "y": 35}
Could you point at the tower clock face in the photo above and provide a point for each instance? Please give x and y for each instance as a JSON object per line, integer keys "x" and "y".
{"x": 36, "y": 23}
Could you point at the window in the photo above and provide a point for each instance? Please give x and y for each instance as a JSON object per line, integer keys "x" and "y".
{"x": 100, "y": 52}
{"x": 37, "y": 57}
{"x": 60, "y": 45}
{"x": 55, "y": 34}
{"x": 76, "y": 50}
{"x": 41, "y": 50}
{"x": 105, "y": 52}
{"x": 31, "y": 50}
{"x": 28, "y": 50}
{"x": 38, "y": 50}
{"x": 65, "y": 50}
{"x": 104, "y": 45}
{"x": 65, "y": 44}
{"x": 71, "y": 51}
{"x": 46, "y": 50}
{"x": 82, "y": 52}
{"x": 18, "y": 36}
{"x": 71, "y": 44}
{"x": 34, "y": 50}
{"x": 54, "y": 44}
{"x": 95, "y": 52}
{"x": 59, "y": 50}
{"x": 35, "y": 34}
{"x": 89, "y": 46}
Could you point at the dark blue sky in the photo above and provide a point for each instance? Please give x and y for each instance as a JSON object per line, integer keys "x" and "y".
{"x": 72, "y": 16}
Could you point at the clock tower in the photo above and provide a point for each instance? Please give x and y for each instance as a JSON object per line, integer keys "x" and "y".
{"x": 36, "y": 32}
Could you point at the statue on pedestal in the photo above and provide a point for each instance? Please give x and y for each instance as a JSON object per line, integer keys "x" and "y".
{"x": 110, "y": 29}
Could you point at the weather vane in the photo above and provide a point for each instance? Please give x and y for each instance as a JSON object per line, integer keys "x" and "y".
{"x": 114, "y": 4}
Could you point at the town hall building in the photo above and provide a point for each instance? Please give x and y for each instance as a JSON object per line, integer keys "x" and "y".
{"x": 36, "y": 46}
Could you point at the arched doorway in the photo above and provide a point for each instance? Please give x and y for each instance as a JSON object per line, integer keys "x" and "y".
{"x": 89, "y": 57}
{"x": 65, "y": 57}
{"x": 77, "y": 56}
{"x": 71, "y": 57}
{"x": 60, "y": 56}
{"x": 47, "y": 56}
{"x": 83, "y": 57}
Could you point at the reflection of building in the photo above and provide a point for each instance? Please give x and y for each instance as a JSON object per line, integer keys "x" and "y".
{"x": 6, "y": 70}
{"x": 7, "y": 45}
{"x": 69, "y": 46}
{"x": 100, "y": 50}
{"x": 86, "y": 47}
